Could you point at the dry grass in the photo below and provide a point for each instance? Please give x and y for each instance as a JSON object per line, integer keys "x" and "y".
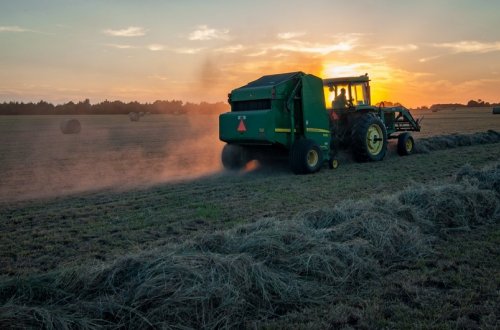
{"x": 441, "y": 142}
{"x": 260, "y": 271}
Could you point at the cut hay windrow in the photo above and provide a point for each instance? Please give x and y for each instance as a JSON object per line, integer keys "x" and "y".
{"x": 441, "y": 142}
{"x": 259, "y": 271}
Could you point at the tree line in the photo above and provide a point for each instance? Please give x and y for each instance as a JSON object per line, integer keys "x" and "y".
{"x": 470, "y": 104}
{"x": 174, "y": 107}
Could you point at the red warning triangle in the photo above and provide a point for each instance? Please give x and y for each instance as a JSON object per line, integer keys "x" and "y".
{"x": 241, "y": 127}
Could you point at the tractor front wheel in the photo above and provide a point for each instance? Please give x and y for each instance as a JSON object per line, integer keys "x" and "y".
{"x": 333, "y": 163}
{"x": 405, "y": 144}
{"x": 305, "y": 157}
{"x": 234, "y": 157}
{"x": 369, "y": 139}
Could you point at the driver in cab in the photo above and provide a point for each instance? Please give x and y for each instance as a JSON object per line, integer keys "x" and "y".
{"x": 340, "y": 101}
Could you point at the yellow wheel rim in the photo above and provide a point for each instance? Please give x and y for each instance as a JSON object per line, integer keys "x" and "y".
{"x": 374, "y": 139}
{"x": 409, "y": 145}
{"x": 335, "y": 163}
{"x": 312, "y": 158}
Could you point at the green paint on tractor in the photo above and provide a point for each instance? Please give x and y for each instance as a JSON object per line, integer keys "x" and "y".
{"x": 290, "y": 114}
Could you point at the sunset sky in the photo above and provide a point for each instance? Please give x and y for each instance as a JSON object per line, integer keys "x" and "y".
{"x": 416, "y": 52}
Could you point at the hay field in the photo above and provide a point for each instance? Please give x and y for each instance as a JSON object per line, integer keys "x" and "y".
{"x": 460, "y": 120}
{"x": 113, "y": 152}
{"x": 406, "y": 242}
{"x": 110, "y": 151}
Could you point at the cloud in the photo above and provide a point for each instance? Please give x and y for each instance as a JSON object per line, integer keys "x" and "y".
{"x": 131, "y": 31}
{"x": 288, "y": 45}
{"x": 430, "y": 58}
{"x": 230, "y": 49}
{"x": 159, "y": 77}
{"x": 470, "y": 46}
{"x": 203, "y": 32}
{"x": 121, "y": 46}
{"x": 290, "y": 35}
{"x": 256, "y": 54}
{"x": 339, "y": 43}
{"x": 380, "y": 53}
{"x": 156, "y": 47}
{"x": 398, "y": 48}
{"x": 313, "y": 48}
{"x": 189, "y": 51}
{"x": 13, "y": 29}
{"x": 17, "y": 29}
{"x": 461, "y": 47}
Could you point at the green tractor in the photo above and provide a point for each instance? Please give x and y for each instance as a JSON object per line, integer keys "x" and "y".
{"x": 308, "y": 120}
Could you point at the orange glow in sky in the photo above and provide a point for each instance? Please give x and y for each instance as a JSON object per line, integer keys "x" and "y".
{"x": 199, "y": 50}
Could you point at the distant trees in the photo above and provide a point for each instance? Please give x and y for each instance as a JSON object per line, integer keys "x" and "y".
{"x": 480, "y": 103}
{"x": 470, "y": 104}
{"x": 446, "y": 106}
{"x": 175, "y": 107}
{"x": 388, "y": 104}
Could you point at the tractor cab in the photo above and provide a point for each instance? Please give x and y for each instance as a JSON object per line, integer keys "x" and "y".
{"x": 356, "y": 89}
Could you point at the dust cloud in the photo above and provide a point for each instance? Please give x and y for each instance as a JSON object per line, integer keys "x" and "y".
{"x": 111, "y": 152}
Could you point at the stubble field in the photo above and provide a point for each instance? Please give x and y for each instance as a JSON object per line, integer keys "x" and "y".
{"x": 137, "y": 191}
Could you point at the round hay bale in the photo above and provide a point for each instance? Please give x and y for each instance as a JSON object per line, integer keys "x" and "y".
{"x": 133, "y": 116}
{"x": 71, "y": 126}
{"x": 496, "y": 110}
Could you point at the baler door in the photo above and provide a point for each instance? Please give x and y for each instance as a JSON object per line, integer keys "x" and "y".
{"x": 315, "y": 117}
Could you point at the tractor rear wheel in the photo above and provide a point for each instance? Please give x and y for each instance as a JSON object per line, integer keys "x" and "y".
{"x": 234, "y": 157}
{"x": 405, "y": 144}
{"x": 369, "y": 139}
{"x": 305, "y": 157}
